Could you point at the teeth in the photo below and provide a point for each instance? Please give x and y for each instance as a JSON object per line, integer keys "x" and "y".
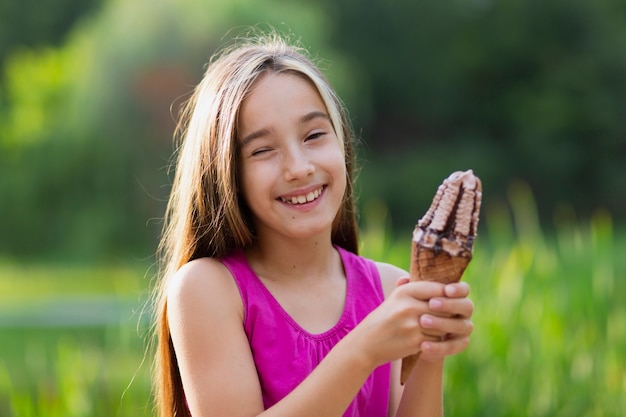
{"x": 301, "y": 199}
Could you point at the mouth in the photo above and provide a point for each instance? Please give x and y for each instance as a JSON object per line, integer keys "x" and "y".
{"x": 304, "y": 198}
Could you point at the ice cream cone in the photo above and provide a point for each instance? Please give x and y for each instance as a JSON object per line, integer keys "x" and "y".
{"x": 443, "y": 239}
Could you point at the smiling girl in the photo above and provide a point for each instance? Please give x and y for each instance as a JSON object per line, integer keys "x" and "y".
{"x": 264, "y": 306}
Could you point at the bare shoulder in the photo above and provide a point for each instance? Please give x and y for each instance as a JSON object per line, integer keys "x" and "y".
{"x": 389, "y": 274}
{"x": 201, "y": 284}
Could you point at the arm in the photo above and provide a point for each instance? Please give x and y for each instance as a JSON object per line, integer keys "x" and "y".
{"x": 205, "y": 313}
{"x": 446, "y": 327}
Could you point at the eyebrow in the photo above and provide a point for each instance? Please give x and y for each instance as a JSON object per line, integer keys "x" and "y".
{"x": 266, "y": 131}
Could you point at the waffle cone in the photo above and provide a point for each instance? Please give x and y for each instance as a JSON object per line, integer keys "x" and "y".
{"x": 427, "y": 264}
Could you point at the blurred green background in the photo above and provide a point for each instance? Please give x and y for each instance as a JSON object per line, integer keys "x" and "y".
{"x": 529, "y": 94}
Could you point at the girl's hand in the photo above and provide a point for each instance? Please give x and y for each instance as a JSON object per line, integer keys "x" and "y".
{"x": 394, "y": 329}
{"x": 448, "y": 318}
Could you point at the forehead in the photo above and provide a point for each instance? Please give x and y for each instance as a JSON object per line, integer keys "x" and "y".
{"x": 278, "y": 97}
{"x": 270, "y": 80}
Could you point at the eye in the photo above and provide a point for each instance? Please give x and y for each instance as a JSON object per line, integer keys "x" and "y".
{"x": 315, "y": 135}
{"x": 259, "y": 151}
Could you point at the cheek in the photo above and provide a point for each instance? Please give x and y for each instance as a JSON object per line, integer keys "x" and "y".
{"x": 341, "y": 177}
{"x": 340, "y": 162}
{"x": 256, "y": 181}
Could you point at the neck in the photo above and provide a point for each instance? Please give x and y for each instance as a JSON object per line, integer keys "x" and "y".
{"x": 280, "y": 258}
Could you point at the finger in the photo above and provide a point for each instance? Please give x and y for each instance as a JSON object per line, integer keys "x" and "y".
{"x": 451, "y": 307}
{"x": 429, "y": 327}
{"x": 457, "y": 290}
{"x": 441, "y": 349}
{"x": 451, "y": 327}
{"x": 424, "y": 290}
{"x": 402, "y": 281}
{"x": 432, "y": 337}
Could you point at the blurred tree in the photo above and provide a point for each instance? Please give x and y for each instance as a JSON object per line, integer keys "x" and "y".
{"x": 515, "y": 89}
{"x": 28, "y": 23}
{"x": 86, "y": 136}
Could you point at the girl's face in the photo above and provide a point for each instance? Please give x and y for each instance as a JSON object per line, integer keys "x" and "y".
{"x": 293, "y": 173}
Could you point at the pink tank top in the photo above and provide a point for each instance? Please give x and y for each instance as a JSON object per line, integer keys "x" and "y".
{"x": 285, "y": 353}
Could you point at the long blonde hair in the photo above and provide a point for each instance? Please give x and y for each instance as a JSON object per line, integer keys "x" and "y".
{"x": 205, "y": 216}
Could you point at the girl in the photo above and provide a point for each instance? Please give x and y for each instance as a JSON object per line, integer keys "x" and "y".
{"x": 264, "y": 306}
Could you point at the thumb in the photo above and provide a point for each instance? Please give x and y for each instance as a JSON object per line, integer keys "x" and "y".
{"x": 402, "y": 281}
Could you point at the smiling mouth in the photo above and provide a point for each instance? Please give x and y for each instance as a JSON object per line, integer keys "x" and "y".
{"x": 302, "y": 199}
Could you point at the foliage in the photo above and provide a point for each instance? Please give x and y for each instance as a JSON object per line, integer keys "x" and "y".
{"x": 74, "y": 372}
{"x": 28, "y": 23}
{"x": 550, "y": 324}
{"x": 86, "y": 133}
{"x": 73, "y": 340}
{"x": 527, "y": 90}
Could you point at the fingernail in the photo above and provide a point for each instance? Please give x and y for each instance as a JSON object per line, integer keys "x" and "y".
{"x": 426, "y": 320}
{"x": 435, "y": 303}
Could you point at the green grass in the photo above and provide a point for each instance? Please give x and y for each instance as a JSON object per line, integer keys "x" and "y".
{"x": 34, "y": 282}
{"x": 77, "y": 368}
{"x": 73, "y": 372}
{"x": 549, "y": 338}
{"x": 550, "y": 316}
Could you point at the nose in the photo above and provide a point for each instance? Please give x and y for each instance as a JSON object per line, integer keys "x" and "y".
{"x": 297, "y": 164}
